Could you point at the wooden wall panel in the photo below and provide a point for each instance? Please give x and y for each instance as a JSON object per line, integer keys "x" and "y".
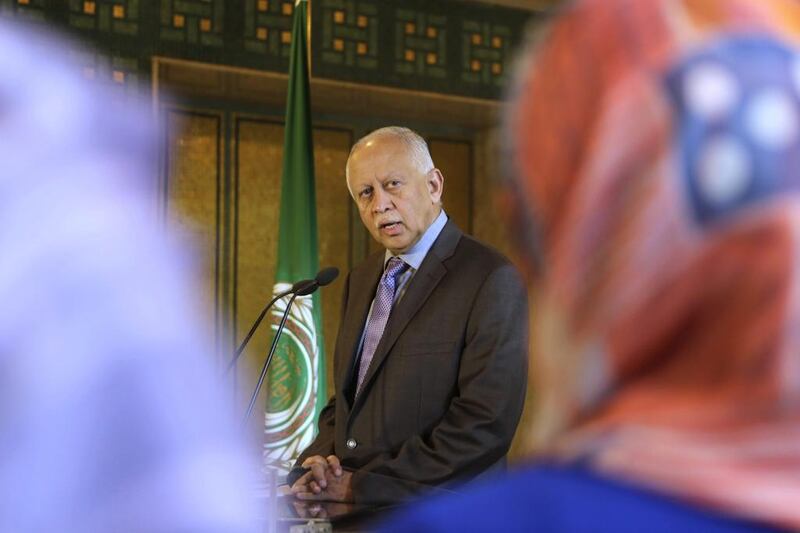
{"x": 488, "y": 224}
{"x": 191, "y": 192}
{"x": 454, "y": 159}
{"x": 331, "y": 148}
{"x": 257, "y": 172}
{"x": 259, "y": 152}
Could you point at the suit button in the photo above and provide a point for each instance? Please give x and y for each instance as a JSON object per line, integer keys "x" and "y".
{"x": 351, "y": 443}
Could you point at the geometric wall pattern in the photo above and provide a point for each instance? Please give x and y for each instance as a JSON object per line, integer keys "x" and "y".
{"x": 421, "y": 44}
{"x": 29, "y": 10}
{"x": 268, "y": 26}
{"x": 349, "y": 34}
{"x": 193, "y": 22}
{"x": 444, "y": 46}
{"x": 122, "y": 72}
{"x": 117, "y": 16}
{"x": 484, "y": 51}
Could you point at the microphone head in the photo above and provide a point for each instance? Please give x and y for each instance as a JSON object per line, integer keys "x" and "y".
{"x": 307, "y": 287}
{"x": 304, "y": 285}
{"x": 326, "y": 275}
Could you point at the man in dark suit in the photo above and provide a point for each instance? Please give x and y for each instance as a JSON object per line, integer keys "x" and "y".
{"x": 431, "y": 356}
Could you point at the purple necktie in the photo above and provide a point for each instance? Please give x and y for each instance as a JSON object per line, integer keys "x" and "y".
{"x": 381, "y": 308}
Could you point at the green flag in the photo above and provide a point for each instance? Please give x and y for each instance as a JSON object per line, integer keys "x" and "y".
{"x": 297, "y": 375}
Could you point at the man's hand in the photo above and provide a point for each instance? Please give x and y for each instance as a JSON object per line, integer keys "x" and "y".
{"x": 337, "y": 489}
{"x": 316, "y": 479}
{"x": 325, "y": 480}
{"x": 313, "y": 509}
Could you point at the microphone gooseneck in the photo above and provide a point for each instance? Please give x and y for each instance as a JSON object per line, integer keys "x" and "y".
{"x": 250, "y": 333}
{"x": 302, "y": 284}
{"x": 324, "y": 277}
{"x": 269, "y": 360}
{"x": 305, "y": 287}
{"x": 300, "y": 288}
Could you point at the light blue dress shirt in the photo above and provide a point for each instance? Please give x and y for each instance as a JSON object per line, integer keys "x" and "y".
{"x": 414, "y": 257}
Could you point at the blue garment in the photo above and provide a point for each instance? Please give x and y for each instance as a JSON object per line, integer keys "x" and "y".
{"x": 114, "y": 416}
{"x": 562, "y": 499}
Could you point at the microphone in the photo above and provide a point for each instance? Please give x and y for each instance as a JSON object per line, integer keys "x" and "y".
{"x": 304, "y": 288}
{"x": 324, "y": 277}
{"x": 300, "y": 288}
{"x": 302, "y": 284}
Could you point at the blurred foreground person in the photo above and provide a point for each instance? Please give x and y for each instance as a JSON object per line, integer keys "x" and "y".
{"x": 656, "y": 146}
{"x": 109, "y": 419}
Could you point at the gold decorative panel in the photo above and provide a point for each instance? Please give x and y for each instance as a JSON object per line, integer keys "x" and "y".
{"x": 488, "y": 224}
{"x": 192, "y": 188}
{"x": 454, "y": 159}
{"x": 331, "y": 148}
{"x": 259, "y": 148}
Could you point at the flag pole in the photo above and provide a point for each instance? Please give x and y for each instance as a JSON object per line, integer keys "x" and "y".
{"x": 297, "y": 376}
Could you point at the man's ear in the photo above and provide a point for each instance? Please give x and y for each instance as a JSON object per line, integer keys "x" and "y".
{"x": 435, "y": 184}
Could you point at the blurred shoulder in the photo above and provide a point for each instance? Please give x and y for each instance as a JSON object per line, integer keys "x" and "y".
{"x": 562, "y": 499}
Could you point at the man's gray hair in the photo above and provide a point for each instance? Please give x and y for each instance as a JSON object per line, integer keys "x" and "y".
{"x": 417, "y": 147}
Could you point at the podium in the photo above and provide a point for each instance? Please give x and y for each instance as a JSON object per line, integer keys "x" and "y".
{"x": 282, "y": 513}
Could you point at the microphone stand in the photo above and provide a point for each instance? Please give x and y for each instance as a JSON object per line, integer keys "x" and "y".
{"x": 253, "y": 330}
{"x": 269, "y": 359}
{"x": 300, "y": 288}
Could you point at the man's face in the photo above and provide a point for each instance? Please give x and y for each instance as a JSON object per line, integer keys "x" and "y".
{"x": 397, "y": 202}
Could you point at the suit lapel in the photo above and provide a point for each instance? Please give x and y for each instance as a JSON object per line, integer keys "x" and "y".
{"x": 363, "y": 285}
{"x": 430, "y": 273}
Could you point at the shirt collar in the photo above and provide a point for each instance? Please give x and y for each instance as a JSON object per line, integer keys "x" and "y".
{"x": 417, "y": 253}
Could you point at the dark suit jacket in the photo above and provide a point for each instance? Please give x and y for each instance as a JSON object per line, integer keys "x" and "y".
{"x": 445, "y": 389}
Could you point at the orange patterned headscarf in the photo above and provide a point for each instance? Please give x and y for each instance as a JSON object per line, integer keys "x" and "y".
{"x": 657, "y": 149}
